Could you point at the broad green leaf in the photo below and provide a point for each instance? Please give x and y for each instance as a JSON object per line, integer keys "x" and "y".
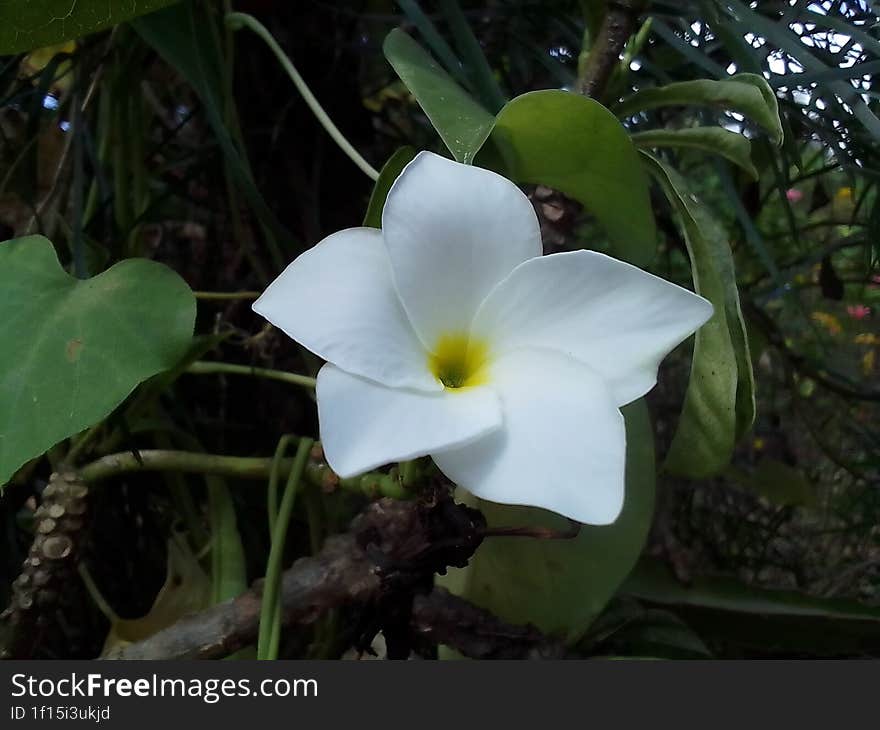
{"x": 629, "y": 628}
{"x": 74, "y": 349}
{"x": 27, "y": 24}
{"x": 720, "y": 401}
{"x": 436, "y": 42}
{"x": 748, "y": 94}
{"x": 461, "y": 122}
{"x": 562, "y": 585}
{"x": 759, "y": 620}
{"x": 575, "y": 145}
{"x": 711, "y": 140}
{"x": 387, "y": 175}
{"x": 777, "y": 482}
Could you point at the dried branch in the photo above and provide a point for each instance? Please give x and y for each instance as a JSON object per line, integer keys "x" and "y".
{"x": 443, "y": 618}
{"x": 385, "y": 565}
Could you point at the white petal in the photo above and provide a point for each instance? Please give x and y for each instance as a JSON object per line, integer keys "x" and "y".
{"x": 337, "y": 299}
{"x": 365, "y": 425}
{"x": 562, "y": 446}
{"x": 614, "y": 317}
{"x": 453, "y": 231}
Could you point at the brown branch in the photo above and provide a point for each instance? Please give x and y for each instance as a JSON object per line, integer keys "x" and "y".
{"x": 387, "y": 559}
{"x": 340, "y": 574}
{"x": 443, "y": 618}
{"x": 616, "y": 28}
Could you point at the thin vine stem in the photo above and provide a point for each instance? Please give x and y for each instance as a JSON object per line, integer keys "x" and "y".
{"x": 270, "y": 612}
{"x": 203, "y": 367}
{"x": 236, "y": 21}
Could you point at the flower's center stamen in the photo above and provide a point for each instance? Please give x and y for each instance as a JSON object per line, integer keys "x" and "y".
{"x": 459, "y": 361}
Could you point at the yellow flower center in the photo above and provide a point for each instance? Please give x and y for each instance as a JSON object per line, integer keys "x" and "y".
{"x": 459, "y": 361}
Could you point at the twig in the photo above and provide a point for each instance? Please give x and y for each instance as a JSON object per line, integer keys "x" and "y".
{"x": 620, "y": 18}
{"x": 443, "y": 618}
{"x": 389, "y": 552}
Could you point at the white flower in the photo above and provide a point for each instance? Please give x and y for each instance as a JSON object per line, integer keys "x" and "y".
{"x": 448, "y": 334}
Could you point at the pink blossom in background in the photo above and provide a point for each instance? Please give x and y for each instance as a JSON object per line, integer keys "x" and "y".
{"x": 875, "y": 281}
{"x": 793, "y": 195}
{"x": 858, "y": 311}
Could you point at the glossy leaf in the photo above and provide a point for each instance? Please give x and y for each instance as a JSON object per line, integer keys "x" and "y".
{"x": 562, "y": 585}
{"x": 748, "y": 94}
{"x": 711, "y": 140}
{"x": 461, "y": 122}
{"x": 74, "y": 349}
{"x": 37, "y": 23}
{"x": 575, "y": 145}
{"x": 720, "y": 400}
{"x": 387, "y": 175}
{"x": 759, "y": 620}
{"x": 474, "y": 59}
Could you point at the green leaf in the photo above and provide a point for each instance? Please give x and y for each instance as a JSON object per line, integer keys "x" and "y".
{"x": 182, "y": 36}
{"x": 28, "y": 24}
{"x": 562, "y": 585}
{"x": 748, "y": 94}
{"x": 781, "y": 36}
{"x": 387, "y": 175}
{"x": 74, "y": 349}
{"x": 228, "y": 570}
{"x": 628, "y": 628}
{"x": 759, "y": 620}
{"x": 711, "y": 140}
{"x": 720, "y": 401}
{"x": 778, "y": 483}
{"x": 461, "y": 122}
{"x": 483, "y": 78}
{"x": 575, "y": 145}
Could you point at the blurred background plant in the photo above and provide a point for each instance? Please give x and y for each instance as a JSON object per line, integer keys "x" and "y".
{"x": 172, "y": 137}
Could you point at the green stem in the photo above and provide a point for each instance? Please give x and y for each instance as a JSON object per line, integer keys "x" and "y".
{"x": 202, "y": 367}
{"x": 274, "y": 474}
{"x": 270, "y": 611}
{"x": 82, "y": 442}
{"x": 237, "y": 21}
{"x": 409, "y": 472}
{"x": 372, "y": 484}
{"x": 223, "y": 295}
{"x": 95, "y": 593}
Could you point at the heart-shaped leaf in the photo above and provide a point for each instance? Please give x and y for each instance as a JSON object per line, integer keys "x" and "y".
{"x": 37, "y": 23}
{"x": 561, "y": 585}
{"x": 74, "y": 349}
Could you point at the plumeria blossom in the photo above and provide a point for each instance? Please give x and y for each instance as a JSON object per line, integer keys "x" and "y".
{"x": 448, "y": 334}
